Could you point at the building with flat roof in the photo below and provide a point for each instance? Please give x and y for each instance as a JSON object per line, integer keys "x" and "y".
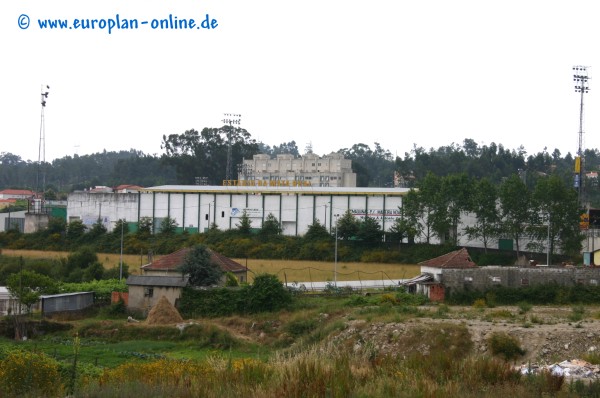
{"x": 332, "y": 170}
{"x": 195, "y": 208}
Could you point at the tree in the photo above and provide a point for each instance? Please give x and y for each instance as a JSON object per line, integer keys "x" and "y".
{"x": 347, "y": 226}
{"x": 168, "y": 226}
{"x": 403, "y": 227}
{"x": 514, "y": 208}
{"x": 433, "y": 215}
{"x": 369, "y": 231}
{"x": 75, "y": 231}
{"x": 200, "y": 268}
{"x": 28, "y": 286}
{"x": 270, "y": 227}
{"x": 558, "y": 204}
{"x": 145, "y": 227}
{"x": 316, "y": 232}
{"x": 484, "y": 206}
{"x": 205, "y": 153}
{"x": 245, "y": 224}
{"x": 455, "y": 197}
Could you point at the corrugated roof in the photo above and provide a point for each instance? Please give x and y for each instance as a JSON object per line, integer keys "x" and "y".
{"x": 456, "y": 259}
{"x": 172, "y": 261}
{"x": 164, "y": 281}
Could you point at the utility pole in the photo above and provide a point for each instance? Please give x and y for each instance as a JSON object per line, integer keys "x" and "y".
{"x": 230, "y": 119}
{"x": 121, "y": 259}
{"x": 580, "y": 77}
{"x": 336, "y": 251}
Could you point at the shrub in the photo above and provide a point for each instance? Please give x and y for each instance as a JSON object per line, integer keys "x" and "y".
{"x": 504, "y": 345}
{"x": 267, "y": 293}
{"x": 29, "y": 373}
{"x": 479, "y": 303}
{"x": 524, "y": 307}
{"x": 577, "y": 313}
{"x": 299, "y": 327}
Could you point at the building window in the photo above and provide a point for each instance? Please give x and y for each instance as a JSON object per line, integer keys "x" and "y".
{"x": 496, "y": 279}
{"x": 148, "y": 292}
{"x": 468, "y": 279}
{"x": 524, "y": 282}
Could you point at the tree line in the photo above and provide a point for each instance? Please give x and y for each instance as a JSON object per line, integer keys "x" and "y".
{"x": 204, "y": 153}
{"x": 547, "y": 214}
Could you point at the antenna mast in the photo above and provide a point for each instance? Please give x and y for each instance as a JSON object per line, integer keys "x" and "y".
{"x": 580, "y": 77}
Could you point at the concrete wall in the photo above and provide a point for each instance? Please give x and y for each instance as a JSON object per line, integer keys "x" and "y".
{"x": 483, "y": 278}
{"x": 109, "y": 207}
{"x": 35, "y": 222}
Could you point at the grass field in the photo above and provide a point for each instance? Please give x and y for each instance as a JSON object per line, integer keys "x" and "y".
{"x": 306, "y": 271}
{"x": 290, "y": 270}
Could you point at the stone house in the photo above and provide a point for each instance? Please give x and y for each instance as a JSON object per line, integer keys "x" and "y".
{"x": 162, "y": 278}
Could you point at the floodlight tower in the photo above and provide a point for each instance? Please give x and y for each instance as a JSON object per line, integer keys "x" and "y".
{"x": 42, "y": 145}
{"x": 580, "y": 77}
{"x": 230, "y": 119}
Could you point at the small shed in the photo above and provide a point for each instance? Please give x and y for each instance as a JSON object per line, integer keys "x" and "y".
{"x": 66, "y": 302}
{"x": 8, "y": 303}
{"x": 146, "y": 290}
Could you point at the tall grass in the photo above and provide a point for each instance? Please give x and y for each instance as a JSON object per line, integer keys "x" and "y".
{"x": 326, "y": 371}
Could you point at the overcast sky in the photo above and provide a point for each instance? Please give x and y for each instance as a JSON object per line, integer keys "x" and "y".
{"x": 331, "y": 73}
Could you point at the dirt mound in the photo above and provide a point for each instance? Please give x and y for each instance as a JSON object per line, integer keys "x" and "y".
{"x": 163, "y": 313}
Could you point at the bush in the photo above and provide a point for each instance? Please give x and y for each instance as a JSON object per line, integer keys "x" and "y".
{"x": 524, "y": 307}
{"x": 267, "y": 293}
{"x": 299, "y": 327}
{"x": 504, "y": 345}
{"x": 29, "y": 373}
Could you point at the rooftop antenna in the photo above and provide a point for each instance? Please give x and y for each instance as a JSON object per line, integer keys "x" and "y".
{"x": 580, "y": 77}
{"x": 41, "y": 171}
{"x": 230, "y": 119}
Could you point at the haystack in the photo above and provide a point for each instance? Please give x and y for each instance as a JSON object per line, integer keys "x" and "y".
{"x": 163, "y": 313}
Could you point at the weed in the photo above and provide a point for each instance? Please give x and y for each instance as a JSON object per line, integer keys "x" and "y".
{"x": 504, "y": 345}
{"x": 479, "y": 304}
{"x": 524, "y": 307}
{"x": 577, "y": 313}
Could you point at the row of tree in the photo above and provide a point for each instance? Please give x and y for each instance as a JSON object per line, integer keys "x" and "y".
{"x": 546, "y": 214}
{"x": 204, "y": 153}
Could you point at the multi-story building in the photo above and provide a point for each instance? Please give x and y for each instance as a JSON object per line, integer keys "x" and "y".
{"x": 332, "y": 170}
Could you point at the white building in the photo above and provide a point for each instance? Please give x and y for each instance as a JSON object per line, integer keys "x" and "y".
{"x": 195, "y": 208}
{"x": 332, "y": 170}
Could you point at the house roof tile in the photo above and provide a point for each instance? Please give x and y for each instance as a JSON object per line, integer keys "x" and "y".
{"x": 172, "y": 261}
{"x": 456, "y": 259}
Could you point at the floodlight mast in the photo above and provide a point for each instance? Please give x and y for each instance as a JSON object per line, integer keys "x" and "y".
{"x": 230, "y": 119}
{"x": 580, "y": 77}
{"x": 41, "y": 174}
